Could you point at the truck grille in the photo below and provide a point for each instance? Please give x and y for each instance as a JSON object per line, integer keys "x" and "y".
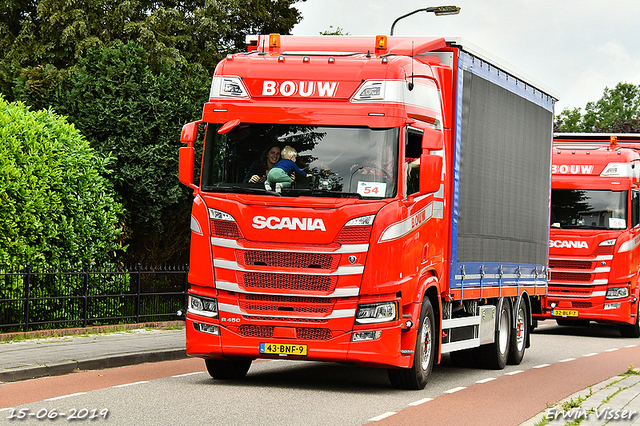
{"x": 571, "y": 277}
{"x": 302, "y": 333}
{"x": 258, "y": 280}
{"x": 602, "y": 250}
{"x": 354, "y": 235}
{"x": 265, "y": 331}
{"x": 285, "y": 319}
{"x": 277, "y": 259}
{"x": 274, "y": 304}
{"x": 570, "y": 264}
{"x": 569, "y": 290}
{"x": 581, "y": 305}
{"x": 224, "y": 229}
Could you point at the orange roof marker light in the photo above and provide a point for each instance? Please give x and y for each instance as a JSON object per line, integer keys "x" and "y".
{"x": 613, "y": 142}
{"x": 381, "y": 42}
{"x": 274, "y": 40}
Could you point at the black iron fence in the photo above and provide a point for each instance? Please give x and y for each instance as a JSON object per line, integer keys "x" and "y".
{"x": 40, "y": 298}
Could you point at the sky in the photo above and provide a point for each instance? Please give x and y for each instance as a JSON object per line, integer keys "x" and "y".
{"x": 577, "y": 47}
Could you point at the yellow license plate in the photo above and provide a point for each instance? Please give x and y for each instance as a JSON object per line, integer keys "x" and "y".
{"x": 283, "y": 349}
{"x": 564, "y": 313}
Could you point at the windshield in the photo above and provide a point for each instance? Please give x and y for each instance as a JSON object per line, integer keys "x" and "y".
{"x": 354, "y": 162}
{"x": 574, "y": 208}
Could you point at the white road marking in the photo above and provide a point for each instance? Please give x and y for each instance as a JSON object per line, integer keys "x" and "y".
{"x": 567, "y": 360}
{"x": 65, "y": 396}
{"x": 188, "y": 374}
{"x": 455, "y": 389}
{"x": 382, "y": 416}
{"x": 541, "y": 365}
{"x": 131, "y": 384}
{"x": 486, "y": 380}
{"x": 420, "y": 401}
{"x": 513, "y": 372}
{"x": 595, "y": 353}
{"x": 611, "y": 350}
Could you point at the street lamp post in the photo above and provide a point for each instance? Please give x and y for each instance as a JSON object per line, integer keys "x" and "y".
{"x": 437, "y": 10}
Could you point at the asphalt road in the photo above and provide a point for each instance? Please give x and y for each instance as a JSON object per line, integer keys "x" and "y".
{"x": 285, "y": 392}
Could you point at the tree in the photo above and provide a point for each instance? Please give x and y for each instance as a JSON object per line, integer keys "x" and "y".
{"x": 58, "y": 33}
{"x": 129, "y": 74}
{"x": 127, "y": 108}
{"x": 57, "y": 205}
{"x": 617, "y": 111}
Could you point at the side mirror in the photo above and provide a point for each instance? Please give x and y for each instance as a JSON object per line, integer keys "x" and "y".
{"x": 432, "y": 139}
{"x": 187, "y": 153}
{"x": 189, "y": 132}
{"x": 430, "y": 173}
{"x": 187, "y": 161}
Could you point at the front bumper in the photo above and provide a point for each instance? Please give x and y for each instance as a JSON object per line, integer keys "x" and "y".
{"x": 381, "y": 352}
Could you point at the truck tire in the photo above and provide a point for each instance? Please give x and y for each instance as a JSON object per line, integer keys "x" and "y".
{"x": 416, "y": 377}
{"x": 228, "y": 369}
{"x": 631, "y": 330}
{"x": 519, "y": 334}
{"x": 495, "y": 355}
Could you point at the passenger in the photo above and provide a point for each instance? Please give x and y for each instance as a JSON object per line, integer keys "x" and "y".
{"x": 260, "y": 168}
{"x": 279, "y": 174}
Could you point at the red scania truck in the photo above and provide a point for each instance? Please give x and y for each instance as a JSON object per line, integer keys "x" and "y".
{"x": 421, "y": 230}
{"x": 594, "y": 244}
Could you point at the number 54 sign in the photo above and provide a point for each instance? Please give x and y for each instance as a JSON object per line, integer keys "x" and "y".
{"x": 372, "y": 189}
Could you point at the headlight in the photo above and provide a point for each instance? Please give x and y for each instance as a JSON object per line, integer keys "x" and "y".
{"x": 617, "y": 293}
{"x": 203, "y": 306}
{"x": 207, "y": 328}
{"x": 376, "y": 312}
{"x": 220, "y": 215}
{"x": 361, "y": 221}
{"x": 366, "y": 335}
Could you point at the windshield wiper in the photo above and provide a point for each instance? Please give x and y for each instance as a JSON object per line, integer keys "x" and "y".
{"x": 234, "y": 189}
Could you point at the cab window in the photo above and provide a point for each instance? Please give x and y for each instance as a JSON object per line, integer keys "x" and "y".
{"x": 413, "y": 149}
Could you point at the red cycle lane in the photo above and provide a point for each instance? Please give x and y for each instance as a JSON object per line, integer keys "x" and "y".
{"x": 513, "y": 399}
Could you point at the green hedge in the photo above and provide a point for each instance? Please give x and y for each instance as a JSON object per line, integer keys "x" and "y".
{"x": 57, "y": 204}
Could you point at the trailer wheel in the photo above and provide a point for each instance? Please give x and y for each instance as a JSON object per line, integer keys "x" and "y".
{"x": 417, "y": 376}
{"x": 631, "y": 330}
{"x": 494, "y": 355}
{"x": 231, "y": 369}
{"x": 519, "y": 334}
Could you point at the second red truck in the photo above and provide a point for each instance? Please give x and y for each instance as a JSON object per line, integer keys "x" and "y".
{"x": 594, "y": 244}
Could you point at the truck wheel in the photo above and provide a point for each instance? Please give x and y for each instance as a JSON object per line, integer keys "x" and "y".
{"x": 417, "y": 376}
{"x": 631, "y": 330}
{"x": 494, "y": 355}
{"x": 519, "y": 334}
{"x": 228, "y": 369}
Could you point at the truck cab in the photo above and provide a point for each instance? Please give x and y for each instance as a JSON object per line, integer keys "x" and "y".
{"x": 594, "y": 232}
